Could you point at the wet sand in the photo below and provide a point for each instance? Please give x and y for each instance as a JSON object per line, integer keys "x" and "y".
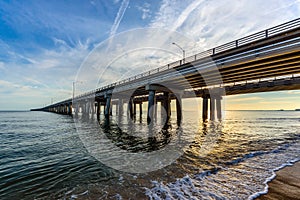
{"x": 286, "y": 184}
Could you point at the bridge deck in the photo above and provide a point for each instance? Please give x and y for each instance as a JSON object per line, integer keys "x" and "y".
{"x": 270, "y": 53}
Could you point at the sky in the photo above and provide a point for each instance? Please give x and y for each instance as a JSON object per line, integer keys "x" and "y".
{"x": 45, "y": 46}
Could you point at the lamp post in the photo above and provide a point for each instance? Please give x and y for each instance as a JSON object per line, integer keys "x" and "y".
{"x": 73, "y": 87}
{"x": 183, "y": 51}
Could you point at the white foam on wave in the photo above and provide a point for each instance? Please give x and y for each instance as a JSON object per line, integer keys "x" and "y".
{"x": 75, "y": 196}
{"x": 246, "y": 179}
{"x": 269, "y": 179}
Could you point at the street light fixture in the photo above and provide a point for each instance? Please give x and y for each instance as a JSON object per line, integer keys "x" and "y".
{"x": 183, "y": 51}
{"x": 73, "y": 87}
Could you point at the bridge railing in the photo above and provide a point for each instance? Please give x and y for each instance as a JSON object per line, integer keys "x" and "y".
{"x": 227, "y": 46}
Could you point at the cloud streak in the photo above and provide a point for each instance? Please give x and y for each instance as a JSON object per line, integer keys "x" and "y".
{"x": 241, "y": 99}
{"x": 119, "y": 17}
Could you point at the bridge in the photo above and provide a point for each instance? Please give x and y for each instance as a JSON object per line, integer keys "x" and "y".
{"x": 265, "y": 61}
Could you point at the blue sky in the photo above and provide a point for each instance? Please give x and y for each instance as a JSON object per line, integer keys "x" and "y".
{"x": 44, "y": 43}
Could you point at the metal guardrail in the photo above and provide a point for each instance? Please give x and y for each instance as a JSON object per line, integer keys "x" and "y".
{"x": 227, "y": 46}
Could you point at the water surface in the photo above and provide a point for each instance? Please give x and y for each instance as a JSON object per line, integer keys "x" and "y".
{"x": 44, "y": 157}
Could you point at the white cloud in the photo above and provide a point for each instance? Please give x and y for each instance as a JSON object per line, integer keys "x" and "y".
{"x": 49, "y": 75}
{"x": 212, "y": 23}
{"x": 20, "y": 96}
{"x": 145, "y": 9}
{"x": 241, "y": 99}
{"x": 60, "y": 42}
{"x": 293, "y": 92}
{"x": 276, "y": 102}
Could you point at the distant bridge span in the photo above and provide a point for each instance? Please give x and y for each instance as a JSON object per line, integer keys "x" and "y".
{"x": 265, "y": 61}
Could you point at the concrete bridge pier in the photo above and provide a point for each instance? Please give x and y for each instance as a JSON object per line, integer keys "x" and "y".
{"x": 80, "y": 107}
{"x": 212, "y": 108}
{"x": 141, "y": 109}
{"x": 151, "y": 102}
{"x": 107, "y": 106}
{"x": 66, "y": 109}
{"x": 87, "y": 109}
{"x": 179, "y": 109}
{"x": 77, "y": 110}
{"x": 218, "y": 107}
{"x": 111, "y": 108}
{"x": 166, "y": 108}
{"x": 130, "y": 108}
{"x": 120, "y": 107}
{"x": 117, "y": 109}
{"x": 98, "y": 110}
{"x": 70, "y": 109}
{"x": 205, "y": 108}
{"x": 92, "y": 104}
{"x": 155, "y": 109}
{"x": 134, "y": 110}
{"x": 83, "y": 108}
{"x": 215, "y": 107}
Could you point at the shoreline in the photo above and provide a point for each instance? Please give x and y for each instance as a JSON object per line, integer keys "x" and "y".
{"x": 285, "y": 185}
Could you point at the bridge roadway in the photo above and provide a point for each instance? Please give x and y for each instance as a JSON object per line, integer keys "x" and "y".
{"x": 265, "y": 61}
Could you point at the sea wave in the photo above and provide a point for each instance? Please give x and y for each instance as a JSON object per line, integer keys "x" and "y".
{"x": 244, "y": 178}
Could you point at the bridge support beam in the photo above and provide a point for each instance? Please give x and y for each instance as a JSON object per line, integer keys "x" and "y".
{"x": 130, "y": 108}
{"x": 117, "y": 109}
{"x": 120, "y": 107}
{"x": 205, "y": 108}
{"x": 76, "y": 109}
{"x": 212, "y": 108}
{"x": 98, "y": 109}
{"x": 111, "y": 108}
{"x": 107, "y": 106}
{"x": 155, "y": 109}
{"x": 166, "y": 109}
{"x": 87, "y": 109}
{"x": 92, "y": 102}
{"x": 141, "y": 109}
{"x": 70, "y": 109}
{"x": 151, "y": 102}
{"x": 80, "y": 108}
{"x": 218, "y": 107}
{"x": 134, "y": 110}
{"x": 179, "y": 109}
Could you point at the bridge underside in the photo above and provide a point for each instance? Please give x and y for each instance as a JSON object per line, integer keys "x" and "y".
{"x": 271, "y": 63}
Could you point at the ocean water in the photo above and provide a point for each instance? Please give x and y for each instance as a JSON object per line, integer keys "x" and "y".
{"x": 44, "y": 156}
